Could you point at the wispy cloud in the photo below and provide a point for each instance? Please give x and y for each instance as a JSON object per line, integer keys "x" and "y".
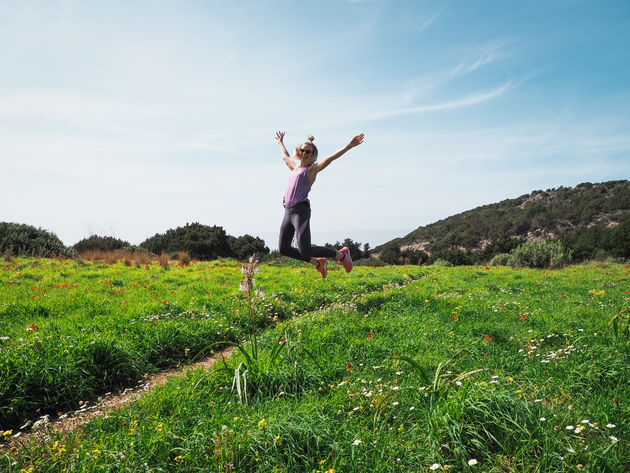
{"x": 467, "y": 101}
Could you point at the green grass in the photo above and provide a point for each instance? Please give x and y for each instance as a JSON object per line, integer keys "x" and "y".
{"x": 514, "y": 370}
{"x": 71, "y": 331}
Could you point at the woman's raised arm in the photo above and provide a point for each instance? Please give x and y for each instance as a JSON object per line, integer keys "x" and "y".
{"x": 356, "y": 141}
{"x": 285, "y": 154}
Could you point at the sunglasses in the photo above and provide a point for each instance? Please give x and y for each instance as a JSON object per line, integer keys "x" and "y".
{"x": 306, "y": 151}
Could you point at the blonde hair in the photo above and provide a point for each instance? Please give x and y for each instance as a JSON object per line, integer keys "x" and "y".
{"x": 313, "y": 157}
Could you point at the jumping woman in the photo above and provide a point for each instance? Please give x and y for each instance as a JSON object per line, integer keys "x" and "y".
{"x": 297, "y": 209}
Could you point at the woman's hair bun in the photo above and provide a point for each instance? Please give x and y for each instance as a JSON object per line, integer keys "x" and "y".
{"x": 310, "y": 138}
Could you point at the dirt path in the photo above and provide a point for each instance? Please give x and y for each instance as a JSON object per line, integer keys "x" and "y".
{"x": 43, "y": 428}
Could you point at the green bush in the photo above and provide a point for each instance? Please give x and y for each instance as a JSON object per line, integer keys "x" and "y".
{"x": 203, "y": 242}
{"x": 444, "y": 263}
{"x": 501, "y": 259}
{"x": 245, "y": 246}
{"x": 100, "y": 243}
{"x": 454, "y": 256}
{"x": 26, "y": 240}
{"x": 541, "y": 254}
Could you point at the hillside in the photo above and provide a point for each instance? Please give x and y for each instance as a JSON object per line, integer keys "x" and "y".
{"x": 540, "y": 215}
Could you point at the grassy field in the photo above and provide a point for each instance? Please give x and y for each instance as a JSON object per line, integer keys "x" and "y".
{"x": 388, "y": 369}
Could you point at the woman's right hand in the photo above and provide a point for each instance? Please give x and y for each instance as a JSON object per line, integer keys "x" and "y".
{"x": 279, "y": 136}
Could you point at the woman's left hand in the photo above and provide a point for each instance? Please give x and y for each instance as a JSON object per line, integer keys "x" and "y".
{"x": 356, "y": 141}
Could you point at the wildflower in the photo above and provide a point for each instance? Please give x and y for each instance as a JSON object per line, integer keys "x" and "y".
{"x": 569, "y": 427}
{"x": 487, "y": 338}
{"x": 579, "y": 466}
{"x": 435, "y": 466}
{"x": 611, "y": 426}
{"x": 349, "y": 366}
{"x": 543, "y": 419}
{"x": 262, "y": 424}
{"x": 356, "y": 442}
{"x": 613, "y": 438}
{"x": 472, "y": 462}
{"x": 523, "y": 317}
{"x": 370, "y": 335}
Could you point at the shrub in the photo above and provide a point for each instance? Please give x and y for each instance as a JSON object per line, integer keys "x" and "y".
{"x": 501, "y": 259}
{"x": 26, "y": 240}
{"x": 371, "y": 261}
{"x": 391, "y": 254}
{"x": 454, "y": 256}
{"x": 443, "y": 263}
{"x": 203, "y": 242}
{"x": 102, "y": 243}
{"x": 163, "y": 260}
{"x": 184, "y": 258}
{"x": 541, "y": 254}
{"x": 245, "y": 246}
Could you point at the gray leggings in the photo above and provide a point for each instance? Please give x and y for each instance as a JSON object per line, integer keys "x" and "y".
{"x": 297, "y": 218}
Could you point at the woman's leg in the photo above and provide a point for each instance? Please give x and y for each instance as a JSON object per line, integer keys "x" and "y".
{"x": 287, "y": 230}
{"x": 301, "y": 220}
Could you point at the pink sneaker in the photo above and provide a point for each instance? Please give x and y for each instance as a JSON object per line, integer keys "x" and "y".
{"x": 346, "y": 262}
{"x": 322, "y": 267}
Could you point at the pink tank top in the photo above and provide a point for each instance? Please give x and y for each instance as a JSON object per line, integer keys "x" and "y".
{"x": 298, "y": 188}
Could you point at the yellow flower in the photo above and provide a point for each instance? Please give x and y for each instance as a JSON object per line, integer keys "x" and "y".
{"x": 262, "y": 424}
{"x": 7, "y": 433}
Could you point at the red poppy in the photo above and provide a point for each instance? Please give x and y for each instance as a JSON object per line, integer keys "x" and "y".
{"x": 349, "y": 366}
{"x": 453, "y": 317}
{"x": 523, "y": 317}
{"x": 370, "y": 335}
{"x": 487, "y": 338}
{"x": 32, "y": 328}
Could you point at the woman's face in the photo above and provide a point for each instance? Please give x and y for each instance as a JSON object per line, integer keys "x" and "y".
{"x": 305, "y": 151}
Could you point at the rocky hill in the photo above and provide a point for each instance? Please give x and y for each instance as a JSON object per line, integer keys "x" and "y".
{"x": 540, "y": 215}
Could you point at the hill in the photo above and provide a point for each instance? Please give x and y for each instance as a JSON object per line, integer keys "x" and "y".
{"x": 541, "y": 215}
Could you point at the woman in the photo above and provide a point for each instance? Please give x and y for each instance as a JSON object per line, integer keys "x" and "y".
{"x": 297, "y": 214}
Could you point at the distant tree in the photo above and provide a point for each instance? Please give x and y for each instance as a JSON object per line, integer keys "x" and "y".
{"x": 26, "y": 240}
{"x": 391, "y": 254}
{"x": 366, "y": 250}
{"x": 101, "y": 243}
{"x": 620, "y": 240}
{"x": 245, "y": 246}
{"x": 454, "y": 256}
{"x": 418, "y": 257}
{"x": 202, "y": 242}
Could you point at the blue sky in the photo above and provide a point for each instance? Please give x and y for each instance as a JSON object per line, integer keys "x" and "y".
{"x": 128, "y": 118}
